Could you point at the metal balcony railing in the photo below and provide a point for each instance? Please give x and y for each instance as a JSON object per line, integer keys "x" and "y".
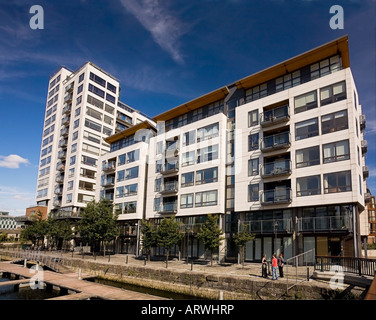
{"x": 170, "y": 167}
{"x": 269, "y": 226}
{"x": 168, "y": 207}
{"x": 169, "y": 187}
{"x": 275, "y": 116}
{"x": 325, "y": 224}
{"x": 276, "y": 196}
{"x": 275, "y": 142}
{"x": 364, "y": 145}
{"x": 109, "y": 166}
{"x": 276, "y": 168}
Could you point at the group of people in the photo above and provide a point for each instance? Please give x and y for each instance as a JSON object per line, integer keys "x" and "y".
{"x": 276, "y": 263}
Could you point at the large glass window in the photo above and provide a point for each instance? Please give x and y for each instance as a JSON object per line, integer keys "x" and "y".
{"x": 130, "y": 190}
{"x": 97, "y": 79}
{"x": 336, "y": 151}
{"x": 208, "y": 132}
{"x": 333, "y": 93}
{"x": 253, "y": 167}
{"x": 334, "y": 122}
{"x": 306, "y": 129}
{"x": 253, "y": 118}
{"x": 308, "y": 157}
{"x": 253, "y": 141}
{"x": 187, "y": 179}
{"x": 308, "y": 186}
{"x": 131, "y": 173}
{"x": 207, "y": 175}
{"x": 188, "y": 158}
{"x": 253, "y": 192}
{"x": 325, "y": 67}
{"x": 189, "y": 138}
{"x": 186, "y": 201}
{"x": 96, "y": 90}
{"x": 207, "y": 154}
{"x": 206, "y": 198}
{"x": 306, "y": 101}
{"x": 337, "y": 182}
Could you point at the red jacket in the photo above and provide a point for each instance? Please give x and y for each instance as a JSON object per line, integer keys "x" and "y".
{"x": 274, "y": 262}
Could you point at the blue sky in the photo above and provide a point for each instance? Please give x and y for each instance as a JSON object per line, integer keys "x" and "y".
{"x": 164, "y": 53}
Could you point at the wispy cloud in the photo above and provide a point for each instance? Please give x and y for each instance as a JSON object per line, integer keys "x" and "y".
{"x": 15, "y": 200}
{"x": 13, "y": 161}
{"x": 164, "y": 27}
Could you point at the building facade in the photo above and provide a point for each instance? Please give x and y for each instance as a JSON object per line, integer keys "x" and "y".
{"x": 280, "y": 152}
{"x": 82, "y": 109}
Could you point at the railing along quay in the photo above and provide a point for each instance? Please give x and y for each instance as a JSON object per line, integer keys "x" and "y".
{"x": 360, "y": 266}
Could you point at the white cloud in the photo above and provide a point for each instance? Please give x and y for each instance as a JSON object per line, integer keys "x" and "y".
{"x": 13, "y": 161}
{"x": 165, "y": 29}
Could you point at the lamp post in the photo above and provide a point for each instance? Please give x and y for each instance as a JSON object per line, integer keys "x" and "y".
{"x": 275, "y": 225}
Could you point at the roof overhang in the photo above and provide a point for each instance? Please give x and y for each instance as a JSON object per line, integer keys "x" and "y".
{"x": 128, "y": 132}
{"x": 339, "y": 45}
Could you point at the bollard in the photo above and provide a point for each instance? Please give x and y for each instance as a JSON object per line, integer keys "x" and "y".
{"x": 109, "y": 258}
{"x": 191, "y": 264}
{"x": 307, "y": 273}
{"x": 220, "y": 295}
{"x": 145, "y": 261}
{"x": 126, "y": 259}
{"x": 79, "y": 274}
{"x": 25, "y": 263}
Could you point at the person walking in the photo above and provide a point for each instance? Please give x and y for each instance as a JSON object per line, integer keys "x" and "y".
{"x": 264, "y": 267}
{"x": 281, "y": 263}
{"x": 274, "y": 267}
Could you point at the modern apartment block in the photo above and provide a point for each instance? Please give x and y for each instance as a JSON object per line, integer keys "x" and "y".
{"x": 280, "y": 152}
{"x": 82, "y": 109}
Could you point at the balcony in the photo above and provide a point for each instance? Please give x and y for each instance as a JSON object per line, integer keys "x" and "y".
{"x": 277, "y": 168}
{"x": 62, "y": 155}
{"x": 58, "y": 191}
{"x": 170, "y": 167}
{"x": 270, "y": 226}
{"x": 60, "y": 166}
{"x": 325, "y": 224}
{"x": 68, "y": 98}
{"x": 56, "y": 203}
{"x": 365, "y": 172}
{"x": 63, "y": 143}
{"x": 64, "y": 132}
{"x": 364, "y": 145}
{"x": 109, "y": 182}
{"x": 276, "y": 196}
{"x": 65, "y": 121}
{"x": 168, "y": 207}
{"x": 367, "y": 197}
{"x": 169, "y": 187}
{"x": 109, "y": 166}
{"x": 362, "y": 121}
{"x": 69, "y": 88}
{"x": 275, "y": 142}
{"x": 67, "y": 109}
{"x": 59, "y": 178}
{"x": 275, "y": 116}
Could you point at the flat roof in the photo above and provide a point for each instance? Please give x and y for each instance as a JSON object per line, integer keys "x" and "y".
{"x": 331, "y": 48}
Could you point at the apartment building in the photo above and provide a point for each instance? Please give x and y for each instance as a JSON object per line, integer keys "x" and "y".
{"x": 82, "y": 109}
{"x": 122, "y": 178}
{"x": 281, "y": 152}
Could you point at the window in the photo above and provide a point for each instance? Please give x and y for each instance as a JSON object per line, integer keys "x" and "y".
{"x": 93, "y": 113}
{"x": 206, "y": 198}
{"x": 208, "y": 132}
{"x": 97, "y": 79}
{"x": 111, "y": 87}
{"x": 188, "y": 158}
{"x": 80, "y": 88}
{"x": 130, "y": 207}
{"x": 158, "y": 185}
{"x": 133, "y": 156}
{"x": 207, "y": 154}
{"x": 157, "y": 204}
{"x": 307, "y": 157}
{"x": 72, "y": 160}
{"x": 110, "y": 98}
{"x": 325, "y": 67}
{"x": 96, "y": 91}
{"x": 158, "y": 166}
{"x": 92, "y": 137}
{"x": 89, "y": 161}
{"x": 337, "y": 182}
{"x": 81, "y": 77}
{"x": 130, "y": 190}
{"x": 93, "y": 125}
{"x": 334, "y": 122}
{"x": 131, "y": 173}
{"x": 358, "y": 155}
{"x": 306, "y": 129}
{"x": 207, "y": 175}
{"x": 253, "y": 117}
{"x": 119, "y": 192}
{"x": 189, "y": 138}
{"x": 333, "y": 93}
{"x": 308, "y": 186}
{"x": 95, "y": 102}
{"x": 253, "y": 167}
{"x": 253, "y": 141}
{"x": 360, "y": 185}
{"x": 336, "y": 151}
{"x": 69, "y": 198}
{"x": 186, "y": 201}
{"x": 253, "y": 192}
{"x": 287, "y": 81}
{"x": 306, "y": 101}
{"x": 187, "y": 179}
{"x": 256, "y": 92}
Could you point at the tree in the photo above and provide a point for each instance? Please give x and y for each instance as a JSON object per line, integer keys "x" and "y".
{"x": 210, "y": 234}
{"x": 149, "y": 236}
{"x": 98, "y": 223}
{"x": 241, "y": 238}
{"x": 169, "y": 235}
{"x": 58, "y": 230}
{"x": 36, "y": 231}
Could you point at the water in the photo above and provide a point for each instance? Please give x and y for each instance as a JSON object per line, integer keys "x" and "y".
{"x": 25, "y": 293}
{"x": 151, "y": 291}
